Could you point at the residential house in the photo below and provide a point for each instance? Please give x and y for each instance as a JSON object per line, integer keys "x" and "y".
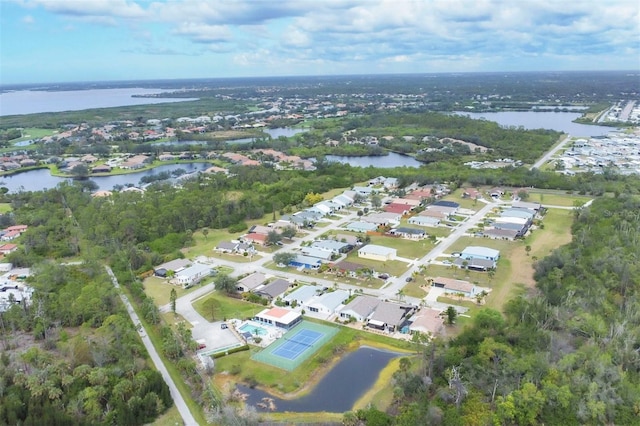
{"x": 501, "y": 234}
{"x": 317, "y": 253}
{"x": 226, "y": 247}
{"x": 424, "y": 221}
{"x": 260, "y": 239}
{"x": 273, "y": 289}
{"x": 301, "y": 296}
{"x": 433, "y": 213}
{"x": 5, "y": 249}
{"x": 471, "y": 193}
{"x": 383, "y": 219}
{"x": 347, "y": 238}
{"x": 361, "y": 227}
{"x": 478, "y": 252}
{"x": 359, "y": 308}
{"x": 451, "y": 285}
{"x": 408, "y": 233}
{"x": 193, "y": 274}
{"x": 401, "y": 209}
{"x": 376, "y": 252}
{"x": 279, "y": 317}
{"x": 526, "y": 205}
{"x": 171, "y": 267}
{"x": 251, "y": 282}
{"x": 364, "y": 190}
{"x": 475, "y": 264}
{"x": 389, "y": 316}
{"x": 427, "y": 321}
{"x": 328, "y": 303}
{"x": 332, "y": 246}
{"x": 306, "y": 262}
{"x": 351, "y": 269}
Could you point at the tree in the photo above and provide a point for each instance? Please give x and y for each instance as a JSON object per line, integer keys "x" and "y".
{"x": 226, "y": 284}
{"x": 284, "y": 258}
{"x": 80, "y": 171}
{"x": 288, "y": 232}
{"x": 173, "y": 296}
{"x": 452, "y": 314}
{"x": 376, "y": 201}
{"x": 211, "y": 307}
{"x": 312, "y": 198}
{"x": 205, "y": 232}
{"x": 527, "y": 249}
{"x": 273, "y": 237}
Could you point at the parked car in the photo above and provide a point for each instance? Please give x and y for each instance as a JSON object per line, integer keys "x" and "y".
{"x": 224, "y": 326}
{"x": 409, "y": 279}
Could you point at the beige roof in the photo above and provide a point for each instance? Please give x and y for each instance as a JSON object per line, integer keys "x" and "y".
{"x": 427, "y": 320}
{"x": 454, "y": 285}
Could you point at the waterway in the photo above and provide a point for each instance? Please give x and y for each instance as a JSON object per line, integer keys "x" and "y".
{"x": 273, "y": 133}
{"x": 559, "y": 121}
{"x": 339, "y": 389}
{"x": 41, "y": 179}
{"x": 35, "y": 101}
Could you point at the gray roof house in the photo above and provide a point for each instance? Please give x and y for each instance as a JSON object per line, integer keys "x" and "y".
{"x": 361, "y": 227}
{"x": 193, "y": 274}
{"x": 332, "y": 246}
{"x": 347, "y": 238}
{"x": 251, "y": 282}
{"x": 479, "y": 252}
{"x": 424, "y": 221}
{"x": 359, "y": 308}
{"x": 274, "y": 289}
{"x": 408, "y": 233}
{"x": 317, "y": 253}
{"x": 388, "y": 316}
{"x": 376, "y": 252}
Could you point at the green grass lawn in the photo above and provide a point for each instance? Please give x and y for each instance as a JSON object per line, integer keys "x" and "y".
{"x": 414, "y": 288}
{"x": 159, "y": 289}
{"x": 5, "y": 208}
{"x": 226, "y": 307}
{"x": 33, "y": 133}
{"x": 406, "y": 248}
{"x": 502, "y": 245}
{"x": 555, "y": 198}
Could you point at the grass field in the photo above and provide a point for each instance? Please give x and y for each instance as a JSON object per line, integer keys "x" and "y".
{"x": 5, "y": 208}
{"x": 406, "y": 248}
{"x": 160, "y": 290}
{"x": 225, "y": 307}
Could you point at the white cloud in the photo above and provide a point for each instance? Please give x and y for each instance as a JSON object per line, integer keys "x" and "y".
{"x": 202, "y": 33}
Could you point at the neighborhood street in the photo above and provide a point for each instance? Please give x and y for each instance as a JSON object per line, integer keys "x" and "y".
{"x": 546, "y": 157}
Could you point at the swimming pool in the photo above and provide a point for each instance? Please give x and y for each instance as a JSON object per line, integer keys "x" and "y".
{"x": 253, "y": 329}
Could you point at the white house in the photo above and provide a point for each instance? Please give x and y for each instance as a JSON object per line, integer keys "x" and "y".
{"x": 193, "y": 274}
{"x": 359, "y": 308}
{"x": 328, "y": 303}
{"x": 251, "y": 282}
{"x": 301, "y": 295}
{"x": 376, "y": 252}
{"x": 424, "y": 221}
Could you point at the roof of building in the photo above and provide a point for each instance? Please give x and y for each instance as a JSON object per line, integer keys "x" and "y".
{"x": 427, "y": 320}
{"x": 195, "y": 269}
{"x": 474, "y": 263}
{"x": 362, "y": 226}
{"x": 307, "y": 260}
{"x": 349, "y": 266}
{"x": 302, "y": 293}
{"x": 480, "y": 251}
{"x": 174, "y": 265}
{"x": 281, "y": 315}
{"x": 252, "y": 281}
{"x": 274, "y": 288}
{"x": 445, "y": 203}
{"x": 331, "y": 300}
{"x": 349, "y": 239}
{"x": 526, "y": 205}
{"x": 410, "y": 231}
{"x": 389, "y": 313}
{"x": 397, "y": 208}
{"x": 329, "y": 245}
{"x": 515, "y": 212}
{"x": 424, "y": 219}
{"x": 316, "y": 253}
{"x": 501, "y": 233}
{"x": 454, "y": 284}
{"x": 362, "y": 305}
{"x": 376, "y": 249}
{"x": 226, "y": 245}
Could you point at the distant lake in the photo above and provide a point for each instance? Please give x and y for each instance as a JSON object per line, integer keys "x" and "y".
{"x": 41, "y": 179}
{"x": 559, "y": 121}
{"x": 274, "y": 133}
{"x": 385, "y": 161}
{"x": 35, "y": 101}
{"x": 339, "y": 390}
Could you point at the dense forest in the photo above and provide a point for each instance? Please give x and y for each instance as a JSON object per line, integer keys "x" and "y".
{"x": 83, "y": 363}
{"x": 567, "y": 355}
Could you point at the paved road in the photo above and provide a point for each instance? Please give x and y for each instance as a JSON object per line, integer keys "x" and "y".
{"x": 186, "y": 415}
{"x": 546, "y": 157}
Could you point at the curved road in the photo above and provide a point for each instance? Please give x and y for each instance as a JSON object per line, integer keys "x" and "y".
{"x": 186, "y": 415}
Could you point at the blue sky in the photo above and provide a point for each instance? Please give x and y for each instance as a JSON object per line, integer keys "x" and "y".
{"x": 97, "y": 40}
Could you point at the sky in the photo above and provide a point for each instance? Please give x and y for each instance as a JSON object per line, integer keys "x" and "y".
{"x": 45, "y": 41}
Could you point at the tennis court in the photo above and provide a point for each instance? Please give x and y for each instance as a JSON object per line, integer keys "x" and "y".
{"x": 296, "y": 345}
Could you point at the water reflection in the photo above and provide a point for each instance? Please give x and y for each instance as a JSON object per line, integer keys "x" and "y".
{"x": 338, "y": 391}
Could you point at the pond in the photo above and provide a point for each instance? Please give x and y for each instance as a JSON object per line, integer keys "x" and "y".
{"x": 386, "y": 161}
{"x": 274, "y": 133}
{"x": 339, "y": 390}
{"x": 40, "y": 179}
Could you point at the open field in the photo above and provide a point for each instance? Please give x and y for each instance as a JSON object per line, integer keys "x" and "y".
{"x": 160, "y": 290}
{"x": 226, "y": 307}
{"x": 5, "y": 208}
{"x": 406, "y": 248}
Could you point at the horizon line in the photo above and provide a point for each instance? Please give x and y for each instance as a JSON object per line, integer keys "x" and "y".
{"x": 175, "y": 79}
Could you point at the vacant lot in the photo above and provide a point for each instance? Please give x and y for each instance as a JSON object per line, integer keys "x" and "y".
{"x": 222, "y": 307}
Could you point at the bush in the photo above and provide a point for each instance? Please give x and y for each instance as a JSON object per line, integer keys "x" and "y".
{"x": 231, "y": 351}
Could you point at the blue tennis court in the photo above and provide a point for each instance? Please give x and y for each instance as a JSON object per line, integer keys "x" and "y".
{"x": 298, "y": 343}
{"x": 296, "y": 346}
